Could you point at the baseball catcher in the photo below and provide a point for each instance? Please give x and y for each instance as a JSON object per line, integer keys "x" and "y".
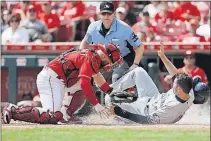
{"x": 151, "y": 107}
{"x": 69, "y": 73}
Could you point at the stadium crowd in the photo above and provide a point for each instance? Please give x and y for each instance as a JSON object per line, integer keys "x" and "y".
{"x": 51, "y": 21}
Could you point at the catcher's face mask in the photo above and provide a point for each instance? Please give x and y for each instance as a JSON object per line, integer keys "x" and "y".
{"x": 108, "y": 67}
{"x": 113, "y": 54}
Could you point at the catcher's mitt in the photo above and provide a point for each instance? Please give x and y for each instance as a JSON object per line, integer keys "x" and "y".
{"x": 123, "y": 97}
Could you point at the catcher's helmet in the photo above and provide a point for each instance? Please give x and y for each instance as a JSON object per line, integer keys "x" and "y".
{"x": 113, "y": 52}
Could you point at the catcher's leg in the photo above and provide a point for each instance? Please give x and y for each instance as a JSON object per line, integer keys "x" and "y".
{"x": 140, "y": 78}
{"x": 30, "y": 114}
{"x": 51, "y": 90}
{"x": 72, "y": 101}
{"x": 76, "y": 102}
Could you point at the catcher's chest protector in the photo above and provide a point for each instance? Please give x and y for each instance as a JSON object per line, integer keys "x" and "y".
{"x": 70, "y": 70}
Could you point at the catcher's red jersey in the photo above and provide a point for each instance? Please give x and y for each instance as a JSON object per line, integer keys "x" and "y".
{"x": 196, "y": 72}
{"x": 78, "y": 66}
{"x": 83, "y": 63}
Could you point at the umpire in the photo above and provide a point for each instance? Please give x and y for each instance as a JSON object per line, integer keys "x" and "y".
{"x": 110, "y": 29}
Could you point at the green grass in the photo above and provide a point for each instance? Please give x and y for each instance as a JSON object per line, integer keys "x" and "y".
{"x": 88, "y": 134}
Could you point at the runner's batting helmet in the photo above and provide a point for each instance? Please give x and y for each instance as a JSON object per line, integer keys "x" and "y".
{"x": 201, "y": 91}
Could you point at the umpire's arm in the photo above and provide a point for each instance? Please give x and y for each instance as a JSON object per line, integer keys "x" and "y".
{"x": 87, "y": 40}
{"x": 138, "y": 46}
{"x": 139, "y": 53}
{"x": 84, "y": 43}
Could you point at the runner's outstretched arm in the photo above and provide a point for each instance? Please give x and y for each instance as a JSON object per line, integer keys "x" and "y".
{"x": 168, "y": 64}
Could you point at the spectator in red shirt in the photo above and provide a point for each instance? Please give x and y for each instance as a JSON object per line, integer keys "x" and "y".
{"x": 190, "y": 68}
{"x": 21, "y": 8}
{"x": 192, "y": 36}
{"x": 51, "y": 20}
{"x": 144, "y": 29}
{"x": 164, "y": 14}
{"x": 186, "y": 11}
{"x": 74, "y": 12}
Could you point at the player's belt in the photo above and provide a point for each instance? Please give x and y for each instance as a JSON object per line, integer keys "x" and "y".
{"x": 46, "y": 67}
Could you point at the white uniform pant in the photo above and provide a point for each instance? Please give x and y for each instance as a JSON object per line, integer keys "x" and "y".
{"x": 146, "y": 89}
{"x": 52, "y": 89}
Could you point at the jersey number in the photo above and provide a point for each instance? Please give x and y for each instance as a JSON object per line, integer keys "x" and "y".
{"x": 134, "y": 37}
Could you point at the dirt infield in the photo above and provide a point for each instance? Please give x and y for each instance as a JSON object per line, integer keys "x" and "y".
{"x": 95, "y": 122}
{"x": 138, "y": 126}
{"x": 196, "y": 118}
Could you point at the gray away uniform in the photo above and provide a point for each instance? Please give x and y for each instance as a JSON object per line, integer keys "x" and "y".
{"x": 151, "y": 107}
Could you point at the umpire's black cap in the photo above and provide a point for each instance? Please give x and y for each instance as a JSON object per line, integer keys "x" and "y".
{"x": 106, "y": 6}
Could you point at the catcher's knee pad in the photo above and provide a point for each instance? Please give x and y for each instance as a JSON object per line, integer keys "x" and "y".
{"x": 36, "y": 115}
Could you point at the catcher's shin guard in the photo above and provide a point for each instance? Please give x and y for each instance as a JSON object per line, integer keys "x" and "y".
{"x": 36, "y": 115}
{"x": 72, "y": 102}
